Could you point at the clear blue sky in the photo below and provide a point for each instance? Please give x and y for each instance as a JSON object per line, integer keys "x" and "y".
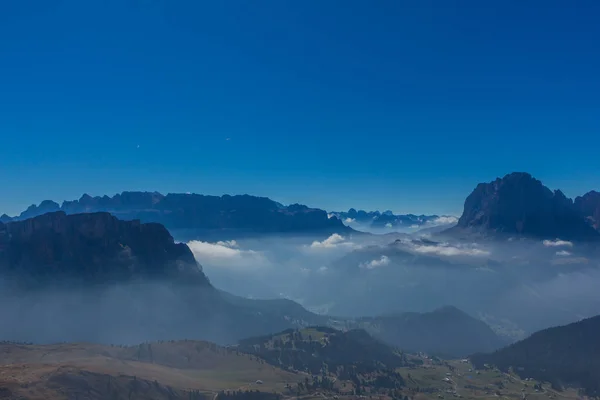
{"x": 401, "y": 105}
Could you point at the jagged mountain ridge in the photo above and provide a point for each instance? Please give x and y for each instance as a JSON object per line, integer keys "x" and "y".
{"x": 200, "y": 212}
{"x": 387, "y": 219}
{"x": 519, "y": 204}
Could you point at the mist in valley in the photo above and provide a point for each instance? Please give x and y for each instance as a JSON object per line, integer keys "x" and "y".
{"x": 517, "y": 286}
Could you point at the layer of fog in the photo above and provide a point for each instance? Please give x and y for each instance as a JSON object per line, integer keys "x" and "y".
{"x": 527, "y": 284}
{"x": 125, "y": 313}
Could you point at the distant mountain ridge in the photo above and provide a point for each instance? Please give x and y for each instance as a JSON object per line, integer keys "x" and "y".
{"x": 387, "y": 219}
{"x": 520, "y": 204}
{"x": 564, "y": 355}
{"x": 200, "y": 212}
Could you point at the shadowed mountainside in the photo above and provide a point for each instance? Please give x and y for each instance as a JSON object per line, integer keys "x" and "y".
{"x": 96, "y": 248}
{"x": 93, "y": 277}
{"x": 520, "y": 204}
{"x": 564, "y": 355}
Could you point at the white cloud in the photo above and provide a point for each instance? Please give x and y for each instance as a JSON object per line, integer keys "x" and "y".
{"x": 444, "y": 249}
{"x": 563, "y": 253}
{"x": 349, "y": 221}
{"x": 384, "y": 260}
{"x": 444, "y": 220}
{"x": 388, "y": 225}
{"x": 333, "y": 241}
{"x": 557, "y": 243}
{"x": 226, "y": 255}
{"x": 330, "y": 215}
{"x": 323, "y": 269}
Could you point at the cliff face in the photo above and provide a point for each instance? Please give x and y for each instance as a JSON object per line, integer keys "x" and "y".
{"x": 521, "y": 204}
{"x": 193, "y": 211}
{"x": 588, "y": 205}
{"x": 94, "y": 247}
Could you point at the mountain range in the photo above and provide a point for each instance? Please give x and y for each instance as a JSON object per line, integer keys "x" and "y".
{"x": 389, "y": 220}
{"x": 199, "y": 213}
{"x": 517, "y": 204}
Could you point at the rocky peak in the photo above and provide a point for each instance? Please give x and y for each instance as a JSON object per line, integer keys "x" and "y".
{"x": 44, "y": 207}
{"x": 520, "y": 204}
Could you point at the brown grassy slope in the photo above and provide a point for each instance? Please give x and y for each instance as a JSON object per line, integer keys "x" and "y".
{"x": 181, "y": 366}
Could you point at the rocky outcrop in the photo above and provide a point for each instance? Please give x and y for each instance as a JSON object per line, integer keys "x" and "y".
{"x": 588, "y": 206}
{"x": 95, "y": 247}
{"x": 194, "y": 211}
{"x": 520, "y": 204}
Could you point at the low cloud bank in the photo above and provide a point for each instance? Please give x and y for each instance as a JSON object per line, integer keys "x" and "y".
{"x": 227, "y": 255}
{"x": 445, "y": 249}
{"x": 332, "y": 242}
{"x": 557, "y": 243}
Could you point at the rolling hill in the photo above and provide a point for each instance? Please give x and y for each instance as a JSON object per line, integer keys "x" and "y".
{"x": 446, "y": 332}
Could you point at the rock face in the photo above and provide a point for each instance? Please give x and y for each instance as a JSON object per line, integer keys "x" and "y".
{"x": 520, "y": 204}
{"x": 94, "y": 247}
{"x": 193, "y": 211}
{"x": 588, "y": 205}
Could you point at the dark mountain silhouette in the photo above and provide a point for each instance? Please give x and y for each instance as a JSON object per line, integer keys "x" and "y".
{"x": 447, "y": 332}
{"x": 588, "y": 205}
{"x": 95, "y": 247}
{"x": 107, "y": 280}
{"x": 565, "y": 356}
{"x": 5, "y": 218}
{"x": 520, "y": 204}
{"x": 201, "y": 213}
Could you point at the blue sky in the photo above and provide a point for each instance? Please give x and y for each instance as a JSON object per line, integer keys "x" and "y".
{"x": 401, "y": 105}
